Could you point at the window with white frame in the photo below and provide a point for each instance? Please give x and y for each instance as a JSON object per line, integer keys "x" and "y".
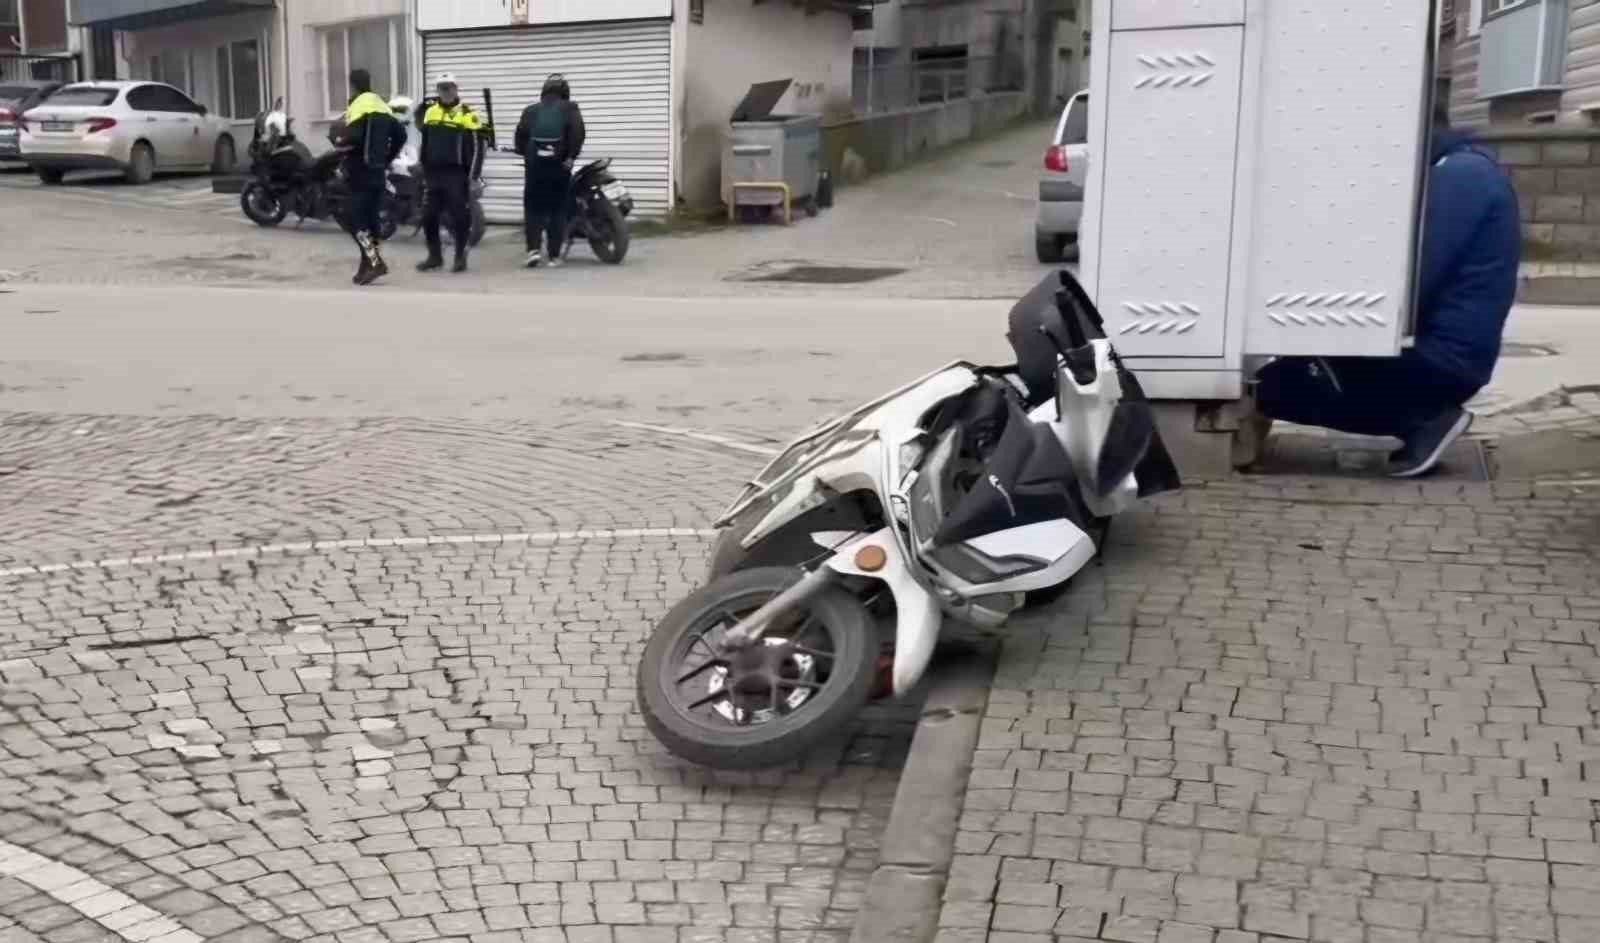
{"x": 239, "y": 81}
{"x": 379, "y": 46}
{"x": 171, "y": 67}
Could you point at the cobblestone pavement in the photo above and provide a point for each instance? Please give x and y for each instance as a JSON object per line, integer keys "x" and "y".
{"x": 368, "y": 735}
{"x": 1290, "y": 710}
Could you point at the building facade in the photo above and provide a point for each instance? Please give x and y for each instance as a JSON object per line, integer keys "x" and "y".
{"x": 911, "y": 53}
{"x": 657, "y": 80}
{"x": 222, "y": 53}
{"x": 1521, "y": 63}
{"x": 36, "y": 42}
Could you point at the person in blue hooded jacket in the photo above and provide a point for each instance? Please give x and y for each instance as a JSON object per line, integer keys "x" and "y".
{"x": 1466, "y": 285}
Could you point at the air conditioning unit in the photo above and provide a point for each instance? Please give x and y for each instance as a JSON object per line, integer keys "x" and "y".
{"x": 1523, "y": 47}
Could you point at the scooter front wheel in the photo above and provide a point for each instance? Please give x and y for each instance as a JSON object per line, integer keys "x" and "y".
{"x": 767, "y": 704}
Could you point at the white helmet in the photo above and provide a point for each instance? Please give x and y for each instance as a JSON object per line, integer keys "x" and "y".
{"x": 401, "y": 105}
{"x": 446, "y": 78}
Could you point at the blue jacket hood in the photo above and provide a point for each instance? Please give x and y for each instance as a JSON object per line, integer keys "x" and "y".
{"x": 1448, "y": 141}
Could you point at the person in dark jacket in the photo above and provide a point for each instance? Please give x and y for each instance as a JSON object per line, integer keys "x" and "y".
{"x": 370, "y": 137}
{"x": 1467, "y": 283}
{"x": 452, "y": 154}
{"x": 549, "y": 137}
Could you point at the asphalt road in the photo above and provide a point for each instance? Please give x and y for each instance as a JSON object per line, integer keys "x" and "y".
{"x": 767, "y": 363}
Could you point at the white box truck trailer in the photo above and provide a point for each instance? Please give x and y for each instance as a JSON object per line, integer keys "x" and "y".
{"x": 1256, "y": 182}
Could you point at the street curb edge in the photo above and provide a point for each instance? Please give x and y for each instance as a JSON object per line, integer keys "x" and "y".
{"x": 904, "y": 895}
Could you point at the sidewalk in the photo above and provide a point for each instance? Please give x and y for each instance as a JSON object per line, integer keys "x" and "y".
{"x": 1298, "y": 710}
{"x": 1560, "y": 283}
{"x": 958, "y": 225}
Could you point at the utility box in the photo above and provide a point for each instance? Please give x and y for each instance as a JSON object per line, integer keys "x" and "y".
{"x": 1255, "y": 182}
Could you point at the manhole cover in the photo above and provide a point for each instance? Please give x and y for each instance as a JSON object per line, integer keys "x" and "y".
{"x": 822, "y": 274}
{"x": 1513, "y": 349}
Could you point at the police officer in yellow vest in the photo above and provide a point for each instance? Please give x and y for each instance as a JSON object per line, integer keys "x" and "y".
{"x": 452, "y": 155}
{"x": 370, "y": 137}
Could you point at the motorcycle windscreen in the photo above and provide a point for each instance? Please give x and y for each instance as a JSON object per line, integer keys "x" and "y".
{"x": 1027, "y": 479}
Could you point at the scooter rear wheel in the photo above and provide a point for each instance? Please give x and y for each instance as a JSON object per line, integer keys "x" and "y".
{"x": 763, "y": 707}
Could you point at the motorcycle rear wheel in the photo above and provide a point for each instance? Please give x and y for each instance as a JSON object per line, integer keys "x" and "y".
{"x": 480, "y": 225}
{"x": 261, "y": 205}
{"x": 608, "y": 231}
{"x": 389, "y": 213}
{"x": 820, "y": 669}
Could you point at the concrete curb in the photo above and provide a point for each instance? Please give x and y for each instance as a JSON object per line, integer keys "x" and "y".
{"x": 904, "y": 896}
{"x": 1559, "y": 290}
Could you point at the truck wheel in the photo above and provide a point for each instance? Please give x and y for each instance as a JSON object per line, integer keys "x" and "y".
{"x": 1048, "y": 248}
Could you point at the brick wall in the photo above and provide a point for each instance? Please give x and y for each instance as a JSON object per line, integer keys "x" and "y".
{"x": 1557, "y": 175}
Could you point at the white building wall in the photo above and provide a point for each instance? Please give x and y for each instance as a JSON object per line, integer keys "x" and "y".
{"x": 303, "y": 64}
{"x": 480, "y": 14}
{"x": 195, "y": 43}
{"x": 737, "y": 45}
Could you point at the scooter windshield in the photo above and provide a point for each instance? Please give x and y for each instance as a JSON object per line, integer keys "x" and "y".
{"x": 835, "y": 437}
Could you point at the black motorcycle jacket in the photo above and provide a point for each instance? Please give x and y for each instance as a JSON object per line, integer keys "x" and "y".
{"x": 550, "y": 128}
{"x": 452, "y": 137}
{"x": 371, "y": 138}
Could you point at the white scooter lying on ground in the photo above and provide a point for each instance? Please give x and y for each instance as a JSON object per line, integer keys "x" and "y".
{"x": 969, "y": 493}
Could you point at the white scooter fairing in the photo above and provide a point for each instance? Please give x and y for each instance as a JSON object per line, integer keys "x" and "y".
{"x": 961, "y": 495}
{"x": 878, "y": 448}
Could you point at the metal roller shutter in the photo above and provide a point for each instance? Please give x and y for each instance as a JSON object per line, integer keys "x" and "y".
{"x": 621, "y": 75}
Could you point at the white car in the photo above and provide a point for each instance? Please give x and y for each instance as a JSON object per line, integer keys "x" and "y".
{"x": 1066, "y": 169}
{"x": 139, "y": 128}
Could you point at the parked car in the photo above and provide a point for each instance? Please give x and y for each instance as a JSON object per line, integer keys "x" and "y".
{"x": 139, "y": 128}
{"x": 16, "y": 98}
{"x": 1066, "y": 170}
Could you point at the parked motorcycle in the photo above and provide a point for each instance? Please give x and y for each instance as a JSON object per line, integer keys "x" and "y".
{"x": 597, "y": 211}
{"x": 962, "y": 494}
{"x": 409, "y": 183}
{"x": 410, "y": 187}
{"x": 598, "y": 205}
{"x": 285, "y": 178}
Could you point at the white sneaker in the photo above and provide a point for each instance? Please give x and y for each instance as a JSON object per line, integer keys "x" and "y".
{"x": 534, "y": 258}
{"x": 555, "y": 261}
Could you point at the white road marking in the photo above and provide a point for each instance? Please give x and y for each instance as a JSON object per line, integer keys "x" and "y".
{"x": 95, "y": 899}
{"x": 675, "y": 432}
{"x": 321, "y": 546}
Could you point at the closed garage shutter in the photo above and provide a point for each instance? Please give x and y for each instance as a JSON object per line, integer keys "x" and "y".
{"x": 621, "y": 76}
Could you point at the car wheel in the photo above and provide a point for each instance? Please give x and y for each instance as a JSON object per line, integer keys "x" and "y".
{"x": 49, "y": 177}
{"x": 1048, "y": 248}
{"x": 141, "y": 164}
{"x": 225, "y": 157}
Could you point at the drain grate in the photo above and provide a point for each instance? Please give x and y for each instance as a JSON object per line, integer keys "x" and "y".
{"x": 819, "y": 274}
